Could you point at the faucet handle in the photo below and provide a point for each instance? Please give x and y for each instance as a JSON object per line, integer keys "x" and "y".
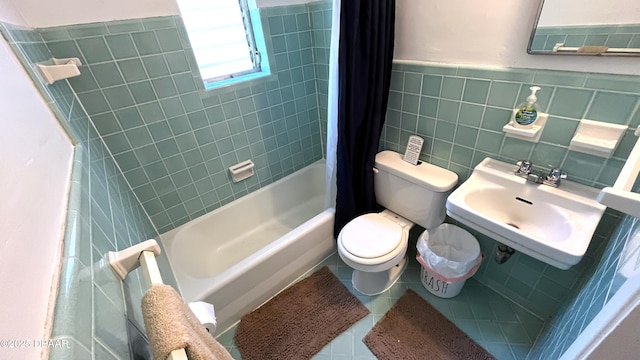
{"x": 555, "y": 175}
{"x": 524, "y": 167}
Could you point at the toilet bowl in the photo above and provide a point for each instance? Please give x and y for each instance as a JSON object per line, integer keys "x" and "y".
{"x": 374, "y": 245}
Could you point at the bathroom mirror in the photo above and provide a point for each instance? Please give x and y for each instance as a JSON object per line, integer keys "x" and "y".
{"x": 578, "y": 27}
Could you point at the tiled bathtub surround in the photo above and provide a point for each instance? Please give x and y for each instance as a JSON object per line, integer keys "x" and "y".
{"x": 613, "y": 36}
{"x": 321, "y": 14}
{"x": 148, "y": 105}
{"x": 174, "y": 141}
{"x": 93, "y": 308}
{"x": 104, "y": 213}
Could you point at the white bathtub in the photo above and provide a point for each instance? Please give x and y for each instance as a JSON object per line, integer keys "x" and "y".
{"x": 240, "y": 255}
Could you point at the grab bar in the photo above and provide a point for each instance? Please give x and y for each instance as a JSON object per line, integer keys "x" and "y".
{"x": 142, "y": 255}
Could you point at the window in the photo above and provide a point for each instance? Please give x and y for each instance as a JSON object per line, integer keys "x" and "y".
{"x": 223, "y": 40}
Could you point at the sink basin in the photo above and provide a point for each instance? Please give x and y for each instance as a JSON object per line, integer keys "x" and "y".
{"x": 553, "y": 225}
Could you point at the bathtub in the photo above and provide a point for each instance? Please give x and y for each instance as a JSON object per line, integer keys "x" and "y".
{"x": 240, "y": 255}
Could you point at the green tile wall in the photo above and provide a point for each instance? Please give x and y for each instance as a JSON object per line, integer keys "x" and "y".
{"x": 460, "y": 112}
{"x": 173, "y": 140}
{"x": 614, "y": 36}
{"x": 93, "y": 308}
{"x": 596, "y": 287}
{"x": 139, "y": 99}
{"x": 321, "y": 17}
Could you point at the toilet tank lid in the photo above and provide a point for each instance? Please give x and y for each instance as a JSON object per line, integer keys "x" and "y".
{"x": 424, "y": 174}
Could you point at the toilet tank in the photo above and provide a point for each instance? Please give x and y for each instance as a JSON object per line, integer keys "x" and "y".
{"x": 416, "y": 192}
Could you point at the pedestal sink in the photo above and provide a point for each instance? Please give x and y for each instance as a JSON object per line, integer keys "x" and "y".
{"x": 553, "y": 225}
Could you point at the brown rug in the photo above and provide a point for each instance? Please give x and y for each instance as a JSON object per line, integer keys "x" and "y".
{"x": 413, "y": 329}
{"x": 300, "y": 321}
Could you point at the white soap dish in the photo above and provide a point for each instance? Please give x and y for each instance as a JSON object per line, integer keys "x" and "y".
{"x": 529, "y": 134}
{"x": 242, "y": 170}
{"x": 597, "y": 138}
{"x": 58, "y": 69}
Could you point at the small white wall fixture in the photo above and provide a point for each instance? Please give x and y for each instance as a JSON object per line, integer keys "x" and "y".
{"x": 597, "y": 138}
{"x": 619, "y": 196}
{"x": 59, "y": 69}
{"x": 242, "y": 170}
{"x": 531, "y": 134}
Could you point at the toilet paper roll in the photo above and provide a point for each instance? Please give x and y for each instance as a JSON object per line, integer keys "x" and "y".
{"x": 205, "y": 313}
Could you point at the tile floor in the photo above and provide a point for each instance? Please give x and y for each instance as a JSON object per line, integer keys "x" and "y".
{"x": 501, "y": 326}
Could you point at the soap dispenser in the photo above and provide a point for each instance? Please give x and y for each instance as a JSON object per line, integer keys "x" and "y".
{"x": 527, "y": 112}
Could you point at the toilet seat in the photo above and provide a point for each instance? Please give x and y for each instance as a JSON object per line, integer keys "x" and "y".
{"x": 374, "y": 246}
{"x": 383, "y": 246}
{"x": 371, "y": 236}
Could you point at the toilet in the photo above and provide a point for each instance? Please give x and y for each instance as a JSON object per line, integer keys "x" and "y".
{"x": 374, "y": 245}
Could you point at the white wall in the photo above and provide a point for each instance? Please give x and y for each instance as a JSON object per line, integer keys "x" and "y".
{"x": 9, "y": 13}
{"x": 272, "y": 3}
{"x": 35, "y": 163}
{"x": 490, "y": 33}
{"x": 40, "y": 13}
{"x": 581, "y": 12}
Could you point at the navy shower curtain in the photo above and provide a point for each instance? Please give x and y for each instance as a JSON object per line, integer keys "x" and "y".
{"x": 365, "y": 60}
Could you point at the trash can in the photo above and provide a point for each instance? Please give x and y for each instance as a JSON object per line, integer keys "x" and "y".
{"x": 449, "y": 255}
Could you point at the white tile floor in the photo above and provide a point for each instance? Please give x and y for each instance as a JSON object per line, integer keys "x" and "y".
{"x": 502, "y": 327}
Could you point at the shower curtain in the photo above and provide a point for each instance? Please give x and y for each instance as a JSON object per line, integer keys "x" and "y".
{"x": 365, "y": 58}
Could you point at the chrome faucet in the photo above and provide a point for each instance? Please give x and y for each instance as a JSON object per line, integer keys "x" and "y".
{"x": 525, "y": 170}
{"x": 554, "y": 177}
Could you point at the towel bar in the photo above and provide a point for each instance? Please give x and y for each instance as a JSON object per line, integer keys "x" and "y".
{"x": 147, "y": 261}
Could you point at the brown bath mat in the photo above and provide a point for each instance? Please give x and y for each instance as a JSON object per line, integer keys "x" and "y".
{"x": 413, "y": 329}
{"x": 300, "y": 321}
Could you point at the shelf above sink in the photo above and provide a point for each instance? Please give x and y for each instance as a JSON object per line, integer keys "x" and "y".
{"x": 553, "y": 225}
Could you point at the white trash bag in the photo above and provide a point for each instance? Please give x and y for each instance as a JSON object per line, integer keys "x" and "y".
{"x": 449, "y": 250}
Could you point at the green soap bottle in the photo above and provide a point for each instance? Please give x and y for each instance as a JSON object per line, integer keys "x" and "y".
{"x": 527, "y": 112}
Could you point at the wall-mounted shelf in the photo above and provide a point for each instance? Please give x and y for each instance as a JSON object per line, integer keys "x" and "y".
{"x": 58, "y": 69}
{"x": 531, "y": 134}
{"x": 597, "y": 138}
{"x": 620, "y": 197}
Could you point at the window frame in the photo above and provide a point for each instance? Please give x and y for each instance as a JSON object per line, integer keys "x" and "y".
{"x": 256, "y": 46}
